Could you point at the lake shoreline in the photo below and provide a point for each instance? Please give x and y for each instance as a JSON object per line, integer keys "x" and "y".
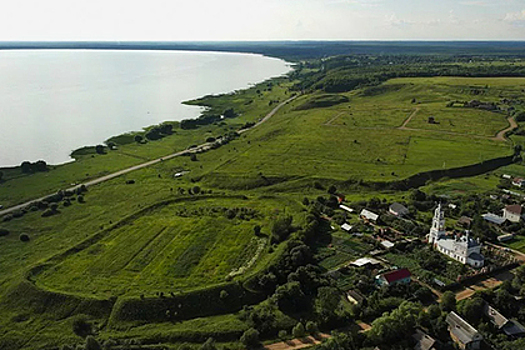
{"x": 169, "y": 100}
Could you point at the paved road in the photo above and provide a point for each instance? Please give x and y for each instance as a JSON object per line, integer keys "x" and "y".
{"x": 204, "y": 146}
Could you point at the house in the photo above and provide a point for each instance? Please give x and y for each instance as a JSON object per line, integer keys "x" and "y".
{"x": 509, "y": 327}
{"x": 346, "y": 227}
{"x": 398, "y": 209}
{"x": 506, "y": 176}
{"x": 462, "y": 333}
{"x": 518, "y": 181}
{"x": 493, "y": 218}
{"x": 387, "y": 244}
{"x": 452, "y": 206}
{"x": 348, "y": 209}
{"x": 461, "y": 248}
{"x": 423, "y": 341}
{"x": 465, "y": 222}
{"x": 365, "y": 262}
{"x": 512, "y": 212}
{"x": 355, "y": 297}
{"x": 401, "y": 276}
{"x": 506, "y": 238}
{"x": 368, "y": 215}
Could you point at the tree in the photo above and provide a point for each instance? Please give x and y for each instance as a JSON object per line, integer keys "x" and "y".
{"x": 257, "y": 230}
{"x": 24, "y": 237}
{"x": 1, "y": 175}
{"x": 138, "y": 138}
{"x": 229, "y": 113}
{"x": 196, "y": 189}
{"x": 92, "y": 343}
{"x": 283, "y": 335}
{"x": 81, "y": 326}
{"x": 448, "y": 301}
{"x": 341, "y": 341}
{"x": 397, "y": 325}
{"x": 100, "y": 149}
{"x": 193, "y": 157}
{"x": 281, "y": 228}
{"x": 472, "y": 310}
{"x": 25, "y": 167}
{"x": 250, "y": 338}
{"x": 311, "y": 327}
{"x": 299, "y": 331}
{"x": 332, "y": 189}
{"x": 327, "y": 303}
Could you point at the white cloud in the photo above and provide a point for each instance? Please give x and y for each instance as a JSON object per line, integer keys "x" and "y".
{"x": 515, "y": 18}
{"x": 394, "y": 21}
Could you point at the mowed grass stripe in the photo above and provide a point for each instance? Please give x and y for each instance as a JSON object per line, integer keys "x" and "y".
{"x": 152, "y": 250}
{"x": 125, "y": 245}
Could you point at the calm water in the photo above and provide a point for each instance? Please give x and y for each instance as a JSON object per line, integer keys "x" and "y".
{"x": 52, "y": 102}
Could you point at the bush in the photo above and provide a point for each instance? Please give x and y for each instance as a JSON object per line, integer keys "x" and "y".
{"x": 81, "y": 326}
{"x": 223, "y": 295}
{"x": 92, "y": 344}
{"x": 3, "y": 232}
{"x": 80, "y": 199}
{"x": 311, "y": 327}
{"x": 298, "y": 331}
{"x": 7, "y": 217}
{"x": 24, "y": 237}
{"x": 193, "y": 157}
{"x": 283, "y": 335}
{"x": 47, "y": 213}
{"x": 250, "y": 338}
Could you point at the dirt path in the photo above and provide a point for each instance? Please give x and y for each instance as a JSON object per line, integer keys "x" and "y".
{"x": 297, "y": 343}
{"x": 204, "y": 146}
{"x": 329, "y": 123}
{"x": 409, "y": 118}
{"x": 512, "y": 125}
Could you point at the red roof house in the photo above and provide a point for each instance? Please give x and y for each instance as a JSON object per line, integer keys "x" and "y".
{"x": 401, "y": 276}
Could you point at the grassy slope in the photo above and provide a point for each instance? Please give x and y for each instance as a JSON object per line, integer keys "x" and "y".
{"x": 277, "y": 159}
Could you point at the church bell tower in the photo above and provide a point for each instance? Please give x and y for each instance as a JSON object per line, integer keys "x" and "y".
{"x": 438, "y": 226}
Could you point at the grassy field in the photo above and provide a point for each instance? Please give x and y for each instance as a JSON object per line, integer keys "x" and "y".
{"x": 188, "y": 242}
{"x": 182, "y": 246}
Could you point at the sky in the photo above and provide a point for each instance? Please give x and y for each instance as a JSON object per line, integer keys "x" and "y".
{"x": 189, "y": 20}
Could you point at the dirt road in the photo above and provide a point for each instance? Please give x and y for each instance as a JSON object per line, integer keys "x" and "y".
{"x": 96, "y": 181}
{"x": 297, "y": 343}
{"x": 410, "y": 116}
{"x": 512, "y": 125}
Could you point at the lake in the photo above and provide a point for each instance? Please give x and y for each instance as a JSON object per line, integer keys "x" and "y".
{"x": 55, "y": 101}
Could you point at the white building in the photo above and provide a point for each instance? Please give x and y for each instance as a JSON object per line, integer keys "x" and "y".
{"x": 512, "y": 213}
{"x": 368, "y": 215}
{"x": 461, "y": 248}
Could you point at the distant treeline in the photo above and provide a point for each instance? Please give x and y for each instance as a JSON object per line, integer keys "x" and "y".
{"x": 345, "y": 73}
{"x": 299, "y": 50}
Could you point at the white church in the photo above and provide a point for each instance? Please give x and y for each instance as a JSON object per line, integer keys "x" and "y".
{"x": 461, "y": 248}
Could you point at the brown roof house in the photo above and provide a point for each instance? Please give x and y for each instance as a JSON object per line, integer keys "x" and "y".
{"x": 463, "y": 334}
{"x": 512, "y": 213}
{"x": 423, "y": 341}
{"x": 509, "y": 327}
